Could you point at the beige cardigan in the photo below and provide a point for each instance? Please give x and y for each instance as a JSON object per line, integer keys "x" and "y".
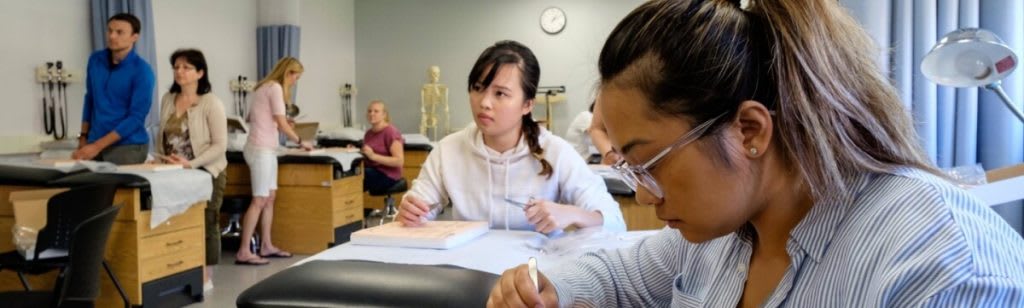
{"x": 207, "y": 130}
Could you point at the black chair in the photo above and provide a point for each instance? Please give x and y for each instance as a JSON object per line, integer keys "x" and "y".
{"x": 64, "y": 213}
{"x": 389, "y": 202}
{"x": 78, "y": 282}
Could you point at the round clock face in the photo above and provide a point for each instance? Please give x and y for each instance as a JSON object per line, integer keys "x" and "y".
{"x": 552, "y": 20}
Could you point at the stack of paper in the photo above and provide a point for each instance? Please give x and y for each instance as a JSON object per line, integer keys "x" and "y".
{"x": 149, "y": 167}
{"x": 434, "y": 234}
{"x": 57, "y": 163}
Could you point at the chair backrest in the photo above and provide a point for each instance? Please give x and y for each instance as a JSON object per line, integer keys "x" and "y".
{"x": 80, "y": 280}
{"x": 66, "y": 210}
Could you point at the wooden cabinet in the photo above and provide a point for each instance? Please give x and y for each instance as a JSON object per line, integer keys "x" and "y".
{"x": 311, "y": 205}
{"x": 136, "y": 253}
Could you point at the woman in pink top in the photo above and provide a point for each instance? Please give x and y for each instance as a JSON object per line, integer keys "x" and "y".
{"x": 266, "y": 118}
{"x": 383, "y": 148}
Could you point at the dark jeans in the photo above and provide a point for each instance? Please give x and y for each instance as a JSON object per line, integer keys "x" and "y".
{"x": 213, "y": 219}
{"x": 126, "y": 154}
{"x": 375, "y": 181}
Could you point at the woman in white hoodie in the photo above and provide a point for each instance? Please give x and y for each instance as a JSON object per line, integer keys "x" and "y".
{"x": 505, "y": 169}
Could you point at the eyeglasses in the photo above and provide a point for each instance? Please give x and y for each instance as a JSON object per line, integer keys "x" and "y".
{"x": 640, "y": 175}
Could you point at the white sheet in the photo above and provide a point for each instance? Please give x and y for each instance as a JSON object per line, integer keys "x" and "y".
{"x": 173, "y": 191}
{"x": 493, "y": 252}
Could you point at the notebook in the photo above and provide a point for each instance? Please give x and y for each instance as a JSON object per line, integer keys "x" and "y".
{"x": 433, "y": 234}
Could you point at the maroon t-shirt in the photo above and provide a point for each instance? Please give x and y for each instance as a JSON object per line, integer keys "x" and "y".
{"x": 380, "y": 142}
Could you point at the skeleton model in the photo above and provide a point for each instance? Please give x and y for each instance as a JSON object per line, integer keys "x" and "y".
{"x": 434, "y": 98}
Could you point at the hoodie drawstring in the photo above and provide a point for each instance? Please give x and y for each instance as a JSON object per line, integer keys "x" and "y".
{"x": 490, "y": 191}
{"x": 507, "y": 171}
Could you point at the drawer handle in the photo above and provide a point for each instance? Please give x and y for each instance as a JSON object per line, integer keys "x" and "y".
{"x": 350, "y": 216}
{"x": 175, "y": 243}
{"x": 175, "y": 264}
{"x": 349, "y": 201}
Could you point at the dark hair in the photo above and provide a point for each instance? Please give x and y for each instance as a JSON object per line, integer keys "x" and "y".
{"x": 512, "y": 52}
{"x": 592, "y": 106}
{"x": 194, "y": 57}
{"x": 129, "y": 18}
{"x": 808, "y": 61}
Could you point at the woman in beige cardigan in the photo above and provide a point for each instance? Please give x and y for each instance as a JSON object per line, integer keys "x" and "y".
{"x": 194, "y": 134}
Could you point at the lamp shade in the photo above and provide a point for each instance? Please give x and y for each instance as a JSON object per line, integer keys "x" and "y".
{"x": 969, "y": 57}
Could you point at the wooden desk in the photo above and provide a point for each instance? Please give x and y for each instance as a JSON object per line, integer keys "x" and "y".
{"x": 313, "y": 210}
{"x": 142, "y": 258}
{"x": 414, "y": 160}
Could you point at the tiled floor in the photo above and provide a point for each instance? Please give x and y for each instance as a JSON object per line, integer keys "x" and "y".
{"x": 229, "y": 280}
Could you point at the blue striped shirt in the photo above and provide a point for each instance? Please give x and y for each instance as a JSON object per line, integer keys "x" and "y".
{"x": 907, "y": 239}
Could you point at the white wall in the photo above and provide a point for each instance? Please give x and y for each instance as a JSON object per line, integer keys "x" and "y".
{"x": 34, "y": 32}
{"x": 224, "y": 30}
{"x": 327, "y": 52}
{"x": 397, "y": 40}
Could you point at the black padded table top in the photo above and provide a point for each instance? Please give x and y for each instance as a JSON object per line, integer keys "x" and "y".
{"x": 28, "y": 176}
{"x": 322, "y": 283}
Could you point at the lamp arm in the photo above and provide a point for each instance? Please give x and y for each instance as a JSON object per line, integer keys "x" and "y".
{"x": 997, "y": 87}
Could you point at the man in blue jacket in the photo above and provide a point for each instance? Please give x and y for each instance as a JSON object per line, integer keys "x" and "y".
{"x": 118, "y": 96}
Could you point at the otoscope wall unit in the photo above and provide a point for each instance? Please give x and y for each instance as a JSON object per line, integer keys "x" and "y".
{"x": 240, "y": 87}
{"x": 53, "y": 79}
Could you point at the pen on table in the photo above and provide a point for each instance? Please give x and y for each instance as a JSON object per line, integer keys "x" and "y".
{"x": 532, "y": 265}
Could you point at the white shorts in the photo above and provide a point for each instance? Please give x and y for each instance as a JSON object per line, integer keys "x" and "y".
{"x": 262, "y": 170}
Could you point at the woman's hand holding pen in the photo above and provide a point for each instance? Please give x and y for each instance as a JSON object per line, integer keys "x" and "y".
{"x": 516, "y": 289}
{"x": 548, "y": 216}
{"x": 413, "y": 212}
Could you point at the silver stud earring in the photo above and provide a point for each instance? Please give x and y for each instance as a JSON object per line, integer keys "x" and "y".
{"x": 753, "y": 151}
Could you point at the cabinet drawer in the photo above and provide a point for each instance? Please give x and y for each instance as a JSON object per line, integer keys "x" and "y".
{"x": 194, "y": 216}
{"x": 347, "y": 216}
{"x": 163, "y": 266}
{"x": 349, "y": 201}
{"x": 190, "y": 240}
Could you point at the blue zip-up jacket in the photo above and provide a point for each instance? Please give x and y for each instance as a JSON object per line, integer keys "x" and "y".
{"x": 118, "y": 97}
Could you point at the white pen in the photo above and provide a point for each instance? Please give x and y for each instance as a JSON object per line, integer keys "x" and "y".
{"x": 430, "y": 211}
{"x": 517, "y": 203}
{"x": 532, "y": 265}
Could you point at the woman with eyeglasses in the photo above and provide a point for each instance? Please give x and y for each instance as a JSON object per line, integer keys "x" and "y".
{"x": 506, "y": 169}
{"x": 194, "y": 134}
{"x": 792, "y": 176}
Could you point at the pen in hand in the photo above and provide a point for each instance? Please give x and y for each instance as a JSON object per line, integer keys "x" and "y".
{"x": 532, "y": 265}
{"x": 430, "y": 211}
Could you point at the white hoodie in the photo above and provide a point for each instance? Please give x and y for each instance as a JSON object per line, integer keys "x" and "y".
{"x": 478, "y": 179}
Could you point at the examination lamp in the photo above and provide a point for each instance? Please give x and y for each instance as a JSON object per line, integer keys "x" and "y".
{"x": 972, "y": 57}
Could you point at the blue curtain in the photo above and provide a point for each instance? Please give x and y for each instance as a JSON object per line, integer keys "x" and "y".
{"x": 274, "y": 43}
{"x": 962, "y": 126}
{"x": 101, "y": 11}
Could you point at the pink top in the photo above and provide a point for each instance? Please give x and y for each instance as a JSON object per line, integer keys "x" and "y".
{"x": 381, "y": 142}
{"x": 267, "y": 101}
